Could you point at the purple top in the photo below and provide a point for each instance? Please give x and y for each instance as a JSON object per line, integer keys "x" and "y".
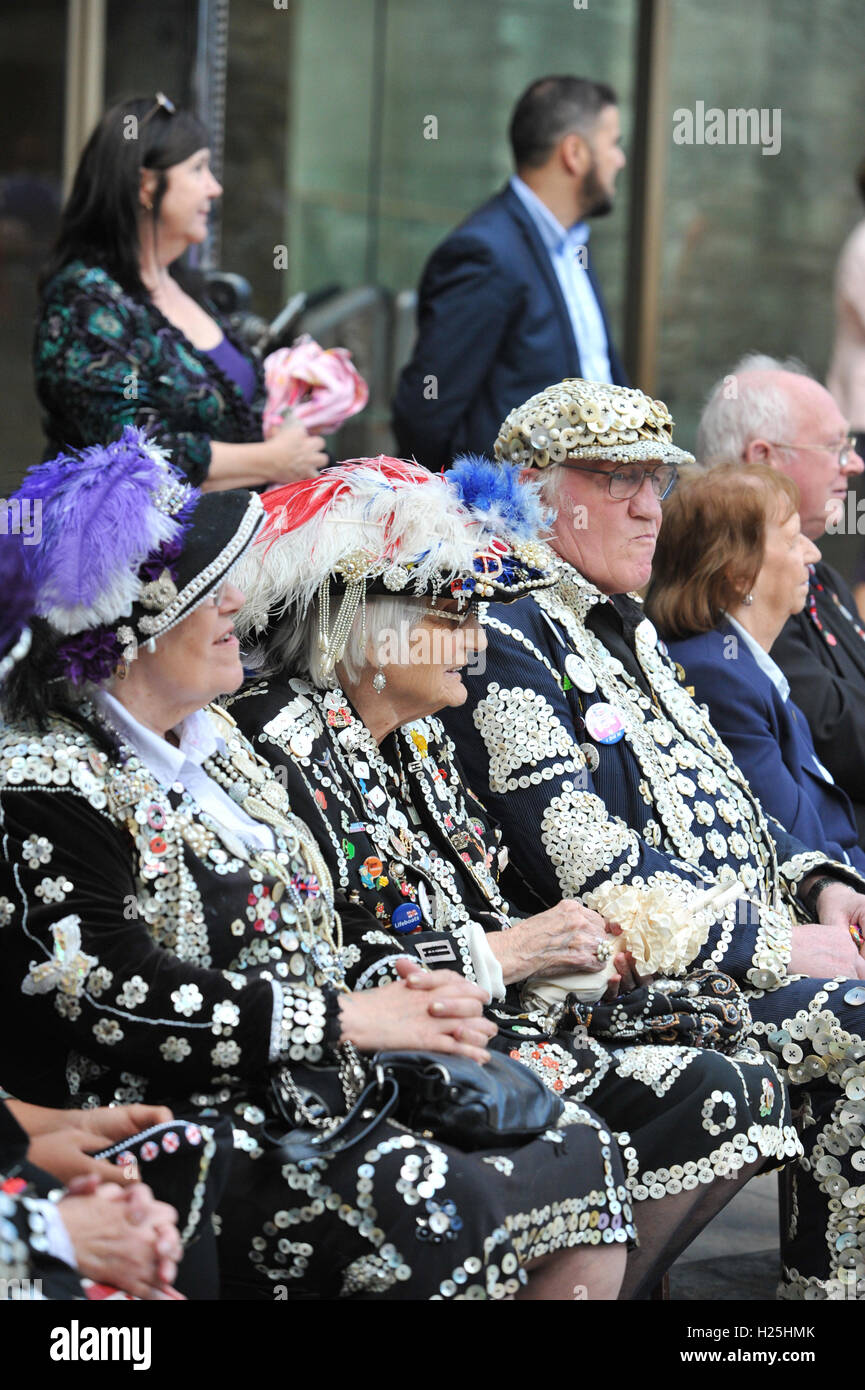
{"x": 234, "y": 365}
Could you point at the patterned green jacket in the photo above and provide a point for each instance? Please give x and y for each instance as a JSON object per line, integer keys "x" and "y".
{"x": 104, "y": 359}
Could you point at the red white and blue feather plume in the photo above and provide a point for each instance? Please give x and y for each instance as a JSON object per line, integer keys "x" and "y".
{"x": 374, "y": 519}
{"x": 365, "y": 513}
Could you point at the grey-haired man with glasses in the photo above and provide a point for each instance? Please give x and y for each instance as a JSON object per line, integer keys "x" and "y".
{"x": 773, "y": 412}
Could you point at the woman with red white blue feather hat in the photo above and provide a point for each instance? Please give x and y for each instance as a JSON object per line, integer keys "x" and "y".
{"x": 359, "y": 622}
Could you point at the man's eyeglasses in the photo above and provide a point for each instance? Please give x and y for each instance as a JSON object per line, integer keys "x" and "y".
{"x": 843, "y": 450}
{"x": 161, "y": 103}
{"x": 626, "y": 482}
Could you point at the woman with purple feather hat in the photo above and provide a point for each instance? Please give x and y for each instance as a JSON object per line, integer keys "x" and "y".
{"x": 360, "y": 620}
{"x": 171, "y": 931}
{"x": 95, "y": 1230}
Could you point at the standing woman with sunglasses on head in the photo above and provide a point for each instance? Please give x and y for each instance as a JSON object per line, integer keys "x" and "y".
{"x": 124, "y": 338}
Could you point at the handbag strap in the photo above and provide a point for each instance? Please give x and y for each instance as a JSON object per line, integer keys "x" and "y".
{"x": 352, "y": 1079}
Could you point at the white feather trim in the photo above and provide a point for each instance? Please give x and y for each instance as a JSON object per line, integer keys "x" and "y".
{"x": 377, "y": 519}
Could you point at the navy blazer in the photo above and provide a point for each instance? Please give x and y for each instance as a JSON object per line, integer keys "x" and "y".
{"x": 827, "y": 681}
{"x": 493, "y": 329}
{"x": 770, "y": 739}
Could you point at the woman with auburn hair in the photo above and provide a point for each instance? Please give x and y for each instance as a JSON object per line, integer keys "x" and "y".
{"x": 731, "y": 566}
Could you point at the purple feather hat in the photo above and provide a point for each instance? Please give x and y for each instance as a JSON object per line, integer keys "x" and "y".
{"x": 104, "y": 511}
{"x": 128, "y": 550}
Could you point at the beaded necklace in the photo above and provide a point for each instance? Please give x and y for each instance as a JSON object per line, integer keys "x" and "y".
{"x": 274, "y": 863}
{"x": 816, "y": 587}
{"x": 443, "y": 805}
{"x": 432, "y": 864}
{"x": 828, "y": 637}
{"x": 388, "y": 822}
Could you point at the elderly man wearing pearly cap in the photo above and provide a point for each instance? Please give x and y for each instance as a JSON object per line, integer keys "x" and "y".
{"x": 581, "y": 729}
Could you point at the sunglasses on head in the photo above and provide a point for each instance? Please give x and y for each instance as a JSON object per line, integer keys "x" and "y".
{"x": 162, "y": 103}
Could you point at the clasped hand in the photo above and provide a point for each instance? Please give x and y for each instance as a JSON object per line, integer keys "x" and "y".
{"x": 63, "y": 1142}
{"x": 825, "y": 949}
{"x": 434, "y": 1011}
{"x": 123, "y": 1237}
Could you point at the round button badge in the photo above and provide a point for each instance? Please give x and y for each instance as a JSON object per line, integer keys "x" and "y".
{"x": 604, "y": 723}
{"x": 579, "y": 674}
{"x": 406, "y": 918}
{"x": 591, "y": 755}
{"x": 300, "y": 745}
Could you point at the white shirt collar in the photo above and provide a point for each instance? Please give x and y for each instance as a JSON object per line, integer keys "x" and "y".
{"x": 198, "y": 739}
{"x": 763, "y": 659}
{"x": 555, "y": 236}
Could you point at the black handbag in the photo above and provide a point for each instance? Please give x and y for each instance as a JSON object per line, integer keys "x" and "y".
{"x": 439, "y": 1096}
{"x": 470, "y": 1106}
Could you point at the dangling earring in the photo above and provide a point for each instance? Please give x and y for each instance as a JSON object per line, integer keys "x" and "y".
{"x": 748, "y": 599}
{"x": 147, "y": 205}
{"x": 121, "y": 670}
{"x": 379, "y": 681}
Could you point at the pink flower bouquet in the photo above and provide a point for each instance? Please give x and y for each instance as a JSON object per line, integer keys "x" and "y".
{"x": 319, "y": 387}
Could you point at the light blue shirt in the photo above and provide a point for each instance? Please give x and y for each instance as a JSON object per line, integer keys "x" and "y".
{"x": 763, "y": 659}
{"x": 566, "y": 249}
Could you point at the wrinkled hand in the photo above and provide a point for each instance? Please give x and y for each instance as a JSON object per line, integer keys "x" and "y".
{"x": 116, "y": 1121}
{"x": 124, "y": 1237}
{"x": 437, "y": 1011}
{"x": 294, "y": 454}
{"x": 841, "y": 905}
{"x": 561, "y": 941}
{"x": 825, "y": 951}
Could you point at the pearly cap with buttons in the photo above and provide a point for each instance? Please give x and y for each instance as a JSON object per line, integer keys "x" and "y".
{"x": 576, "y": 419}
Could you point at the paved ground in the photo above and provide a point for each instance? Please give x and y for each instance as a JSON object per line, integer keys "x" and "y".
{"x": 736, "y": 1257}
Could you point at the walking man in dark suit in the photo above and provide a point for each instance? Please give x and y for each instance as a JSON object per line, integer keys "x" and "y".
{"x": 766, "y": 411}
{"x": 509, "y": 301}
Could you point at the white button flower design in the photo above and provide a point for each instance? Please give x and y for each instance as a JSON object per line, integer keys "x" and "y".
{"x": 37, "y": 850}
{"x": 175, "y": 1049}
{"x": 134, "y": 992}
{"x": 187, "y": 1000}
{"x": 225, "y": 1054}
{"x": 108, "y": 1031}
